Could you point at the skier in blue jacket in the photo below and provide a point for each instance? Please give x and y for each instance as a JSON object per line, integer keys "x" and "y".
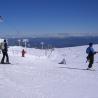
{"x": 90, "y": 58}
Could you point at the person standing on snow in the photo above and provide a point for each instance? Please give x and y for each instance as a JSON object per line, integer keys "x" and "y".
{"x": 23, "y": 53}
{"x": 90, "y": 58}
{"x": 5, "y": 53}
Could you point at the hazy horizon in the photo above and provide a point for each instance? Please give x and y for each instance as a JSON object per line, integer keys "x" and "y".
{"x": 45, "y": 35}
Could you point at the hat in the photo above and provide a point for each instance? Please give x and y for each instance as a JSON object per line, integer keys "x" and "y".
{"x": 90, "y": 44}
{"x": 4, "y": 40}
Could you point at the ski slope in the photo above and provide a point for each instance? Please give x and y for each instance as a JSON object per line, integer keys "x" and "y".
{"x": 38, "y": 75}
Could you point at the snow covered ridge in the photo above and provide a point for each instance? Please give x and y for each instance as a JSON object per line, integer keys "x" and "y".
{"x": 61, "y": 52}
{"x": 38, "y": 74}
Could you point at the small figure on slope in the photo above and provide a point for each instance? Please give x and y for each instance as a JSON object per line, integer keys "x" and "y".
{"x": 23, "y": 53}
{"x": 63, "y": 61}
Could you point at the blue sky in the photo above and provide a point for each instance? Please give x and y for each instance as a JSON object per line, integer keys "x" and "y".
{"x": 39, "y": 17}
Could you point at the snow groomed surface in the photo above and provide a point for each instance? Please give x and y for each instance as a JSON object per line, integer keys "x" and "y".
{"x": 39, "y": 75}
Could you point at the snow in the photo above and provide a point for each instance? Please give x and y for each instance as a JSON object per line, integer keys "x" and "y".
{"x": 38, "y": 74}
{"x": 1, "y": 40}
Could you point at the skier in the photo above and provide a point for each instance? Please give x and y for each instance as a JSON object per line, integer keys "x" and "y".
{"x": 5, "y": 53}
{"x": 23, "y": 53}
{"x": 90, "y": 58}
{"x": 63, "y": 61}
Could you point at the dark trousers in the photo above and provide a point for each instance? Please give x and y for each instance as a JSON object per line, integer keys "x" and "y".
{"x": 5, "y": 54}
{"x": 91, "y": 61}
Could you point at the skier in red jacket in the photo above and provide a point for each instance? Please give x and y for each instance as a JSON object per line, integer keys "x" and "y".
{"x": 23, "y": 53}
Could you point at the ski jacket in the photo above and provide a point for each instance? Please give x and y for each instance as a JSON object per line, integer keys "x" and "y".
{"x": 90, "y": 51}
{"x": 5, "y": 47}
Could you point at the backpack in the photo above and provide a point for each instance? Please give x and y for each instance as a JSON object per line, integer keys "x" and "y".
{"x": 1, "y": 45}
{"x": 88, "y": 50}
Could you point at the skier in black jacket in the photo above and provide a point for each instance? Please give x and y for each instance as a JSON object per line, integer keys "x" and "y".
{"x": 5, "y": 53}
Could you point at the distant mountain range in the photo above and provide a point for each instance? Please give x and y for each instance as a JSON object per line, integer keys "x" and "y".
{"x": 54, "y": 42}
{"x": 46, "y": 35}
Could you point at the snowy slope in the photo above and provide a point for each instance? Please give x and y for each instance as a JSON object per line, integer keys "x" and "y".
{"x": 39, "y": 75}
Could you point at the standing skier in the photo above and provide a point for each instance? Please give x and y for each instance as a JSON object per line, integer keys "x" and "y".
{"x": 23, "y": 53}
{"x": 5, "y": 52}
{"x": 90, "y": 58}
